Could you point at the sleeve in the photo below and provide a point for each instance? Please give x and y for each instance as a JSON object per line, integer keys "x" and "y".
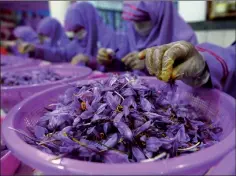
{"x": 221, "y": 63}
{"x": 56, "y": 54}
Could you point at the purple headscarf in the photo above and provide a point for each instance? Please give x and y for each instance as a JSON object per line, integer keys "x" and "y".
{"x": 168, "y": 26}
{"x": 26, "y": 34}
{"x": 52, "y": 28}
{"x": 83, "y": 14}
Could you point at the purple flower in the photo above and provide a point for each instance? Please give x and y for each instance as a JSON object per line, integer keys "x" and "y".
{"x": 40, "y": 132}
{"x": 101, "y": 108}
{"x": 142, "y": 128}
{"x": 112, "y": 156}
{"x": 138, "y": 154}
{"x": 112, "y": 140}
{"x": 124, "y": 130}
{"x": 153, "y": 144}
{"x": 112, "y": 100}
{"x": 128, "y": 92}
{"x": 122, "y": 120}
{"x": 146, "y": 105}
{"x": 118, "y": 117}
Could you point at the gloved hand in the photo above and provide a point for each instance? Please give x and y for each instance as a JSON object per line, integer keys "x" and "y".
{"x": 80, "y": 58}
{"x": 132, "y": 61}
{"x": 26, "y": 48}
{"x": 177, "y": 60}
{"x": 105, "y": 56}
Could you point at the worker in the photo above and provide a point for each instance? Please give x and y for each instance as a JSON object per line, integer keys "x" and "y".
{"x": 50, "y": 31}
{"x": 151, "y": 23}
{"x": 89, "y": 33}
{"x": 205, "y": 65}
{"x": 23, "y": 34}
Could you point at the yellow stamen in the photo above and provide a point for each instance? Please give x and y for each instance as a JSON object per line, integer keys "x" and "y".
{"x": 83, "y": 106}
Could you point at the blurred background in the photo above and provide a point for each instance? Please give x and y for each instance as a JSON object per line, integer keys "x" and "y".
{"x": 213, "y": 21}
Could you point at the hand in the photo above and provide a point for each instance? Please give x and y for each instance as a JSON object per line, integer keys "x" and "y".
{"x": 177, "y": 60}
{"x": 132, "y": 61}
{"x": 25, "y": 48}
{"x": 105, "y": 56}
{"x": 79, "y": 58}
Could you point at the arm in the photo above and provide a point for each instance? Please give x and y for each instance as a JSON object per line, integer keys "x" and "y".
{"x": 206, "y": 65}
{"x": 221, "y": 64}
{"x": 60, "y": 54}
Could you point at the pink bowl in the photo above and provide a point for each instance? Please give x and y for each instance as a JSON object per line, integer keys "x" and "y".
{"x": 9, "y": 163}
{"x": 11, "y": 95}
{"x": 31, "y": 109}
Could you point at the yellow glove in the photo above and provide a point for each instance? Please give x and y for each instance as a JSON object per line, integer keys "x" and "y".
{"x": 105, "y": 55}
{"x": 25, "y": 48}
{"x": 79, "y": 58}
{"x": 132, "y": 61}
{"x": 177, "y": 60}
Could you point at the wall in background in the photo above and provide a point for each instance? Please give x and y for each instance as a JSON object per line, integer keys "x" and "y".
{"x": 219, "y": 37}
{"x": 192, "y": 11}
{"x": 58, "y": 9}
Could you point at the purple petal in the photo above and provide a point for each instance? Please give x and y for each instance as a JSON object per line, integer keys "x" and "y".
{"x": 137, "y": 123}
{"x": 118, "y": 117}
{"x": 128, "y": 92}
{"x": 126, "y": 111}
{"x": 138, "y": 154}
{"x": 142, "y": 128}
{"x": 147, "y": 153}
{"x": 40, "y": 132}
{"x": 112, "y": 141}
{"x": 112, "y": 156}
{"x": 143, "y": 138}
{"x": 106, "y": 127}
{"x": 101, "y": 108}
{"x": 96, "y": 117}
{"x": 57, "y": 120}
{"x": 146, "y": 105}
{"x": 153, "y": 144}
{"x": 129, "y": 101}
{"x": 124, "y": 130}
{"x": 112, "y": 100}
{"x": 136, "y": 116}
{"x": 76, "y": 121}
{"x": 152, "y": 115}
{"x": 181, "y": 135}
{"x": 86, "y": 115}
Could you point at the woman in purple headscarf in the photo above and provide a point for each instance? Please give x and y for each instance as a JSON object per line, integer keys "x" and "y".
{"x": 23, "y": 34}
{"x": 152, "y": 23}
{"x": 89, "y": 33}
{"x": 205, "y": 65}
{"x": 50, "y": 31}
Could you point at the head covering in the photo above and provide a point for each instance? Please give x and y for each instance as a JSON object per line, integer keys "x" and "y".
{"x": 26, "y": 33}
{"x": 83, "y": 14}
{"x": 52, "y": 28}
{"x": 168, "y": 26}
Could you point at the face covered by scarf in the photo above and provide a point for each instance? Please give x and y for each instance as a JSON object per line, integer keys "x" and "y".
{"x": 88, "y": 28}
{"x": 26, "y": 34}
{"x": 50, "y": 31}
{"x": 154, "y": 23}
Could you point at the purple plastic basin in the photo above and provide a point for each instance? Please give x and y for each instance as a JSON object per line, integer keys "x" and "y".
{"x": 11, "y": 95}
{"x": 29, "y": 111}
{"x": 226, "y": 166}
{"x": 18, "y": 62}
{"x": 8, "y": 163}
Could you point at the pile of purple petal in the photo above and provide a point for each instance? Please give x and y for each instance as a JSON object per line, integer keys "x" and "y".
{"x": 29, "y": 77}
{"x": 11, "y": 61}
{"x": 121, "y": 120}
{"x": 4, "y": 149}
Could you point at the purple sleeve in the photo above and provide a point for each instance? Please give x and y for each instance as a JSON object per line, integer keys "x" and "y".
{"x": 221, "y": 64}
{"x": 56, "y": 54}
